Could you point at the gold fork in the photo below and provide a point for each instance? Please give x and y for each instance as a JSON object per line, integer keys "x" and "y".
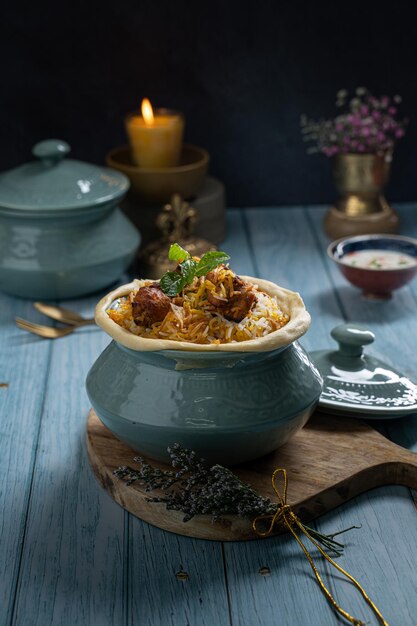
{"x": 48, "y": 332}
{"x": 65, "y": 316}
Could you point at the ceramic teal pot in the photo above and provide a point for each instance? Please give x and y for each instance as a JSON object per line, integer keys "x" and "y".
{"x": 228, "y": 406}
{"x": 61, "y": 233}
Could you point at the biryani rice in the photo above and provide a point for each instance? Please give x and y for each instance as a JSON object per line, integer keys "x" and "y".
{"x": 193, "y": 319}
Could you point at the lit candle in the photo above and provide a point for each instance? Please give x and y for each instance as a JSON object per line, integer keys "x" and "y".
{"x": 155, "y": 136}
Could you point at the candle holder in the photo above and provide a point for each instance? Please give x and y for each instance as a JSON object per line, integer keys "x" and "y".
{"x": 151, "y": 187}
{"x": 154, "y": 185}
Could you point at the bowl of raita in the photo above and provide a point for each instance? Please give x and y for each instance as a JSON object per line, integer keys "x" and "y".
{"x": 377, "y": 264}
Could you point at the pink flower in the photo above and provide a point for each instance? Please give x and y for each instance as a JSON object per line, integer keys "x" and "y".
{"x": 368, "y": 125}
{"x": 354, "y": 119}
{"x": 330, "y": 151}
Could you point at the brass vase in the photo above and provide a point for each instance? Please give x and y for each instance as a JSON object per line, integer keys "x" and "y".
{"x": 361, "y": 207}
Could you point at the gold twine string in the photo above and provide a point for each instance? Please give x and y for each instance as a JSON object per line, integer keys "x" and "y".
{"x": 286, "y": 515}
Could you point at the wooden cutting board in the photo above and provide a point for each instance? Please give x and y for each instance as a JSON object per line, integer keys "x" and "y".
{"x": 328, "y": 462}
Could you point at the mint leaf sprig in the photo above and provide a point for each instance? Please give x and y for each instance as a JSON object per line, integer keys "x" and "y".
{"x": 172, "y": 283}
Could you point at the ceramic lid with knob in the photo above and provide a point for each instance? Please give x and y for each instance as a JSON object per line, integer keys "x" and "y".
{"x": 358, "y": 384}
{"x": 53, "y": 183}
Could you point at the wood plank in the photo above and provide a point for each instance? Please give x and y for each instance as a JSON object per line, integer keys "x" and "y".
{"x": 24, "y": 368}
{"x": 408, "y": 225}
{"x": 286, "y": 253}
{"x": 73, "y": 566}
{"x": 381, "y": 555}
{"x": 402, "y": 433}
{"x": 393, "y": 322}
{"x": 158, "y": 556}
{"x": 384, "y": 553}
{"x": 175, "y": 580}
{"x": 241, "y": 559}
{"x": 390, "y": 319}
{"x": 270, "y": 584}
{"x": 293, "y": 250}
{"x": 360, "y": 459}
{"x": 286, "y": 596}
{"x": 237, "y": 244}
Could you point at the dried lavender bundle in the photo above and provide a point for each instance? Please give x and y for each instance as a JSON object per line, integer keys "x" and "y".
{"x": 193, "y": 487}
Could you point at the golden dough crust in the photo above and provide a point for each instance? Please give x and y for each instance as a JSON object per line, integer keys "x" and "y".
{"x": 290, "y": 303}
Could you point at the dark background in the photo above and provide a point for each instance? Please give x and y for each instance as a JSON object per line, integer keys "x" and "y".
{"x": 242, "y": 72}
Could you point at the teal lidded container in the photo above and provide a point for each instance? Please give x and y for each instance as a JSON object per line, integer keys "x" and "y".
{"x": 61, "y": 233}
{"x": 230, "y": 403}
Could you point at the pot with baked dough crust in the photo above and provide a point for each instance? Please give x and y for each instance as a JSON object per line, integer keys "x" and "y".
{"x": 230, "y": 403}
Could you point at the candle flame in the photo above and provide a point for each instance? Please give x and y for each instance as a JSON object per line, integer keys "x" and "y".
{"x": 147, "y": 112}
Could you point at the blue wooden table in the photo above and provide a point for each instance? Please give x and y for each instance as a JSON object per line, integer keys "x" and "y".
{"x": 69, "y": 555}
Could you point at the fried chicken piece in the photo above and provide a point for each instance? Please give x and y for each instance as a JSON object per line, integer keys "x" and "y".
{"x": 238, "y": 304}
{"x": 239, "y": 284}
{"x": 150, "y": 305}
{"x": 212, "y": 277}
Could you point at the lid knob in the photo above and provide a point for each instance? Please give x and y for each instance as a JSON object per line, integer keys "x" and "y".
{"x": 351, "y": 338}
{"x": 51, "y": 151}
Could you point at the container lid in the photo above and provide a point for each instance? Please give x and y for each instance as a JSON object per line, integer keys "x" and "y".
{"x": 358, "y": 384}
{"x": 54, "y": 183}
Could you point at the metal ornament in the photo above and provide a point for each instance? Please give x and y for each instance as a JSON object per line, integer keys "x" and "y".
{"x": 176, "y": 221}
